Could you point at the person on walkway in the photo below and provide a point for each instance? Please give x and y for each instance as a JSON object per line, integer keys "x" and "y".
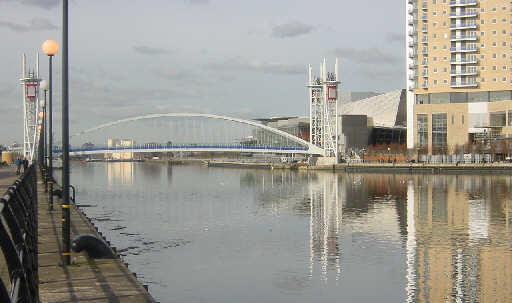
{"x": 18, "y": 165}
{"x": 25, "y": 165}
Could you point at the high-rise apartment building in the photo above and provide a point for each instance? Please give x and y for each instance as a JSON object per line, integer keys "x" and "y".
{"x": 459, "y": 75}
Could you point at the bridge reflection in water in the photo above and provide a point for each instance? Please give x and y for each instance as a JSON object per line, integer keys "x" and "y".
{"x": 413, "y": 238}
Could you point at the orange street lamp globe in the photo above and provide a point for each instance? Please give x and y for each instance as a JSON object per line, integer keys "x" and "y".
{"x": 41, "y": 114}
{"x": 50, "y": 47}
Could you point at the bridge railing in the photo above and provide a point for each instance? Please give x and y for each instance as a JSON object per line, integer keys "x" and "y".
{"x": 19, "y": 280}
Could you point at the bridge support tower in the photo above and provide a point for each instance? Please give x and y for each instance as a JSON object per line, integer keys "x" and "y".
{"x": 30, "y": 82}
{"x": 323, "y": 109}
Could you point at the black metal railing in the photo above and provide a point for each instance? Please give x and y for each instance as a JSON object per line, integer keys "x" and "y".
{"x": 19, "y": 279}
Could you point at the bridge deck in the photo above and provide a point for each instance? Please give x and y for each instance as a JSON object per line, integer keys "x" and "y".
{"x": 86, "y": 280}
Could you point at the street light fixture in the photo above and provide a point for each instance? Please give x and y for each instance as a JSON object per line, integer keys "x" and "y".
{"x": 50, "y": 48}
{"x": 44, "y": 85}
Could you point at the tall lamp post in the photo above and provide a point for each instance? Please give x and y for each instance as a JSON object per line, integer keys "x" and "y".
{"x": 66, "y": 218}
{"x": 50, "y": 48}
{"x": 44, "y": 86}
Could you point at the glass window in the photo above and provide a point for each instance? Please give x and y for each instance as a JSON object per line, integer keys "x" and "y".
{"x": 458, "y": 97}
{"x": 422, "y": 99}
{"x": 503, "y": 95}
{"x": 439, "y": 142}
{"x": 422, "y": 126}
{"x": 440, "y": 98}
{"x": 497, "y": 118}
{"x": 478, "y": 96}
{"x": 509, "y": 118}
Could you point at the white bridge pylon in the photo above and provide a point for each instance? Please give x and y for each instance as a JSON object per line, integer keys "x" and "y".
{"x": 311, "y": 148}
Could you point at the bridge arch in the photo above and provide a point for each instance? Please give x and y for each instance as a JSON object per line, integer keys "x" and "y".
{"x": 313, "y": 149}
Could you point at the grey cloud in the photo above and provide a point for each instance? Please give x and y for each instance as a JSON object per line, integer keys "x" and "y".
{"x": 197, "y": 2}
{"x": 292, "y": 29}
{"x": 147, "y": 50}
{"x": 395, "y": 37}
{"x": 370, "y": 56}
{"x": 46, "y": 4}
{"x": 257, "y": 66}
{"x": 36, "y": 24}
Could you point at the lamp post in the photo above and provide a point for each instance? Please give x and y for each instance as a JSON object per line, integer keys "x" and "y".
{"x": 44, "y": 86}
{"x": 66, "y": 218}
{"x": 50, "y": 48}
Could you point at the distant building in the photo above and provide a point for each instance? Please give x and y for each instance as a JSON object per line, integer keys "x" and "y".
{"x": 124, "y": 152}
{"x": 379, "y": 119}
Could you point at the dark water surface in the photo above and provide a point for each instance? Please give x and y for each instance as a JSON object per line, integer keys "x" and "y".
{"x": 198, "y": 234}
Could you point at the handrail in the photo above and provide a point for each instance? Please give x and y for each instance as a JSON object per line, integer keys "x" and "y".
{"x": 18, "y": 240}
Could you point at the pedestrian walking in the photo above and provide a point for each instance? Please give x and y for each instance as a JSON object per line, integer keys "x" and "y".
{"x": 25, "y": 165}
{"x": 18, "y": 165}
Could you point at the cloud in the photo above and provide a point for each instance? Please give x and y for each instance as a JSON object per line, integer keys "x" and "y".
{"x": 197, "y": 2}
{"x": 36, "y": 24}
{"x": 368, "y": 56}
{"x": 152, "y": 51}
{"x": 292, "y": 29}
{"x": 252, "y": 65}
{"x": 395, "y": 37}
{"x": 46, "y": 4}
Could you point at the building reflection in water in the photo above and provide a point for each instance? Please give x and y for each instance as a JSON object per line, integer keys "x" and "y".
{"x": 455, "y": 230}
{"x": 458, "y": 239}
{"x": 120, "y": 173}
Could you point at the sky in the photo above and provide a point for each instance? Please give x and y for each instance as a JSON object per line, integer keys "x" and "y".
{"x": 241, "y": 58}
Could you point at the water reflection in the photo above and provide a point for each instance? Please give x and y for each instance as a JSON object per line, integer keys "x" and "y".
{"x": 120, "y": 173}
{"x": 455, "y": 229}
{"x": 458, "y": 242}
{"x": 354, "y": 237}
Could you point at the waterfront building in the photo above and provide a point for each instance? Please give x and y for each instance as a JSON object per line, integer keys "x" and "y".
{"x": 123, "y": 153}
{"x": 363, "y": 118}
{"x": 459, "y": 91}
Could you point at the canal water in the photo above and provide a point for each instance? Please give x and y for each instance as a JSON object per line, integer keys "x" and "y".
{"x": 199, "y": 234}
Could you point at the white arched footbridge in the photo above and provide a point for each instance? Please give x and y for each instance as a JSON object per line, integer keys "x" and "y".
{"x": 300, "y": 146}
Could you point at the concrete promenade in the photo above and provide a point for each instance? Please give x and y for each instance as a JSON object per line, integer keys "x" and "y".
{"x": 86, "y": 280}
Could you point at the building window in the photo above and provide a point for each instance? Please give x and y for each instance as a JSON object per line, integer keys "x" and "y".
{"x": 497, "y": 118}
{"x": 422, "y": 126}
{"x": 462, "y": 119}
{"x": 509, "y": 118}
{"x": 439, "y": 128}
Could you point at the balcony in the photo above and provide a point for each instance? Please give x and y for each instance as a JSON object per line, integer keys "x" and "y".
{"x": 412, "y": 32}
{"x": 464, "y": 61}
{"x": 412, "y": 77}
{"x": 424, "y": 17}
{"x": 424, "y": 40}
{"x": 424, "y": 85}
{"x": 463, "y": 2}
{"x": 424, "y": 6}
{"x": 413, "y": 54}
{"x": 464, "y": 26}
{"x": 463, "y": 15}
{"x": 424, "y": 29}
{"x": 413, "y": 66}
{"x": 464, "y": 38}
{"x": 424, "y": 62}
{"x": 467, "y": 72}
{"x": 424, "y": 51}
{"x": 467, "y": 49}
{"x": 424, "y": 74}
{"x": 464, "y": 84}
